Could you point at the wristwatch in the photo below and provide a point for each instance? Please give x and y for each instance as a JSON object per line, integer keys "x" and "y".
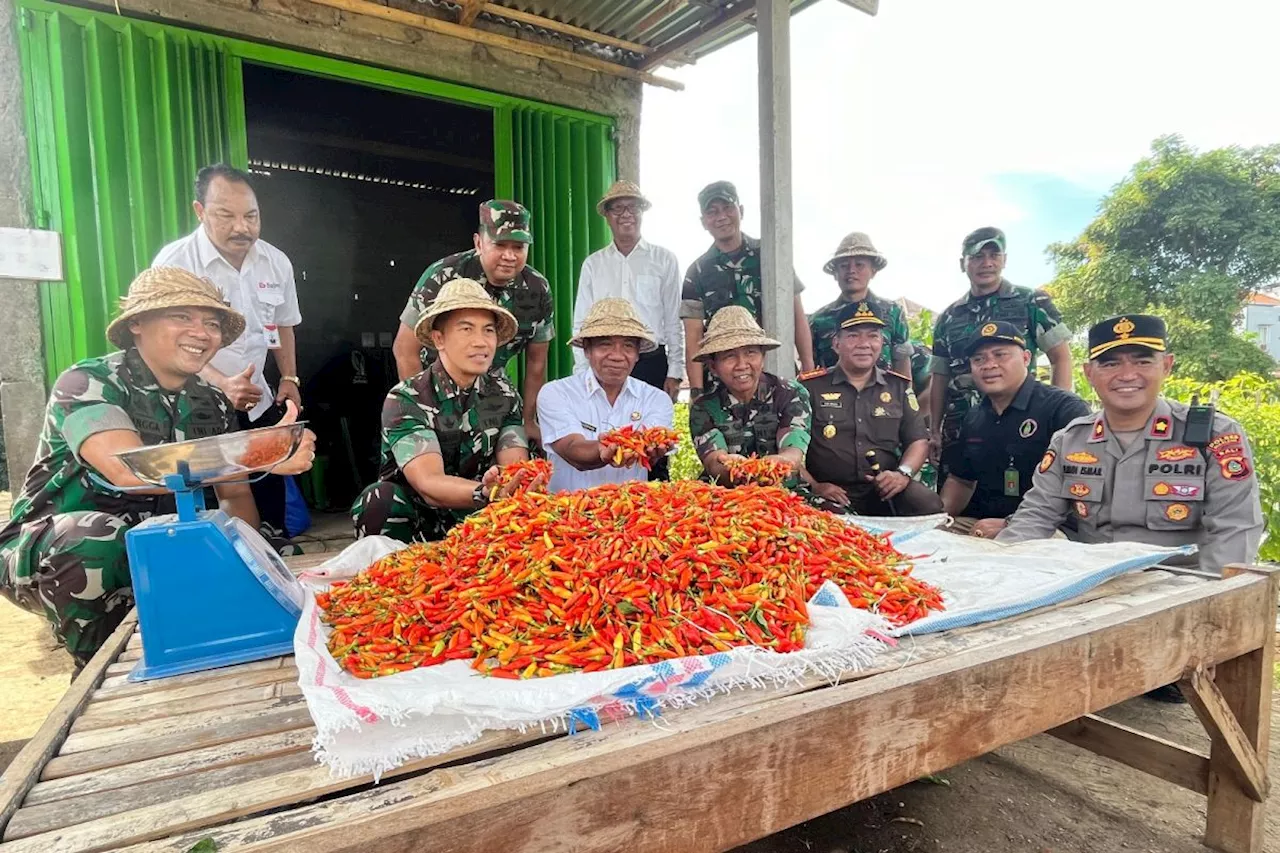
{"x": 479, "y": 497}
{"x": 295, "y": 380}
{"x": 904, "y": 468}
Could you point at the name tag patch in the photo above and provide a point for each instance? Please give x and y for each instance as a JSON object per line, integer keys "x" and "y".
{"x": 1181, "y": 490}
{"x": 1083, "y": 470}
{"x": 1175, "y": 468}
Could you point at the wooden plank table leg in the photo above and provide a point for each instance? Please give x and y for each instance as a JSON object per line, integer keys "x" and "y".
{"x": 1235, "y": 820}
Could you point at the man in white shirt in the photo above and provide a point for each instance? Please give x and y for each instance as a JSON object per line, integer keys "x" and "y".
{"x": 576, "y": 411}
{"x": 256, "y": 279}
{"x": 645, "y": 275}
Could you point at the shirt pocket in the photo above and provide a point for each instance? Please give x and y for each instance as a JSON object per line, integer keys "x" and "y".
{"x": 1173, "y": 502}
{"x": 885, "y": 424}
{"x": 1084, "y": 496}
{"x": 267, "y": 300}
{"x": 649, "y": 291}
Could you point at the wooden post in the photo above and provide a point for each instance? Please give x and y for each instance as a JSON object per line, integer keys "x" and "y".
{"x": 777, "y": 272}
{"x": 1235, "y": 820}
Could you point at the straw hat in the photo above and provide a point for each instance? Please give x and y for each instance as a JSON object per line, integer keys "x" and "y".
{"x": 460, "y": 294}
{"x": 730, "y": 328}
{"x": 856, "y": 245}
{"x": 614, "y": 317}
{"x": 171, "y": 287}
{"x": 622, "y": 189}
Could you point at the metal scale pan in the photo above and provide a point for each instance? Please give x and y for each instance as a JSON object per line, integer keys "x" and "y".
{"x": 210, "y": 591}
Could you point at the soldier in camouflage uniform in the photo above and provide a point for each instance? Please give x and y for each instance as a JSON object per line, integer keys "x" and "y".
{"x": 855, "y": 262}
{"x": 499, "y": 261}
{"x": 728, "y": 274}
{"x": 63, "y": 551}
{"x": 446, "y": 430}
{"x": 990, "y": 298}
{"x": 751, "y": 412}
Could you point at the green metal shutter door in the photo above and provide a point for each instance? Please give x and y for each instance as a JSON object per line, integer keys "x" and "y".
{"x": 122, "y": 116}
{"x": 561, "y": 168}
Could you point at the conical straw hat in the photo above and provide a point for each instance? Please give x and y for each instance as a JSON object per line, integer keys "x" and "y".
{"x": 171, "y": 287}
{"x": 614, "y": 317}
{"x": 460, "y": 294}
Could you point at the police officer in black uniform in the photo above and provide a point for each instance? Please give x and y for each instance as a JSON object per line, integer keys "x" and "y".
{"x": 1004, "y": 437}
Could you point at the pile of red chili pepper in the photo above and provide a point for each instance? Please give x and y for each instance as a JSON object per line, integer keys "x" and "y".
{"x": 639, "y": 443}
{"x": 266, "y": 449}
{"x": 533, "y": 473}
{"x": 610, "y": 577}
{"x": 758, "y": 470}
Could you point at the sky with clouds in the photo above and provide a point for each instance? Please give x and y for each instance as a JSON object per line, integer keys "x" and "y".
{"x": 939, "y": 116}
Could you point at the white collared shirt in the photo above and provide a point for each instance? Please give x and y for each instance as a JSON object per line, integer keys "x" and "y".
{"x": 578, "y": 405}
{"x": 263, "y": 290}
{"x": 648, "y": 278}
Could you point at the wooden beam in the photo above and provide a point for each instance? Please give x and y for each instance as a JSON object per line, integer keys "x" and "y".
{"x": 1153, "y": 755}
{"x": 468, "y": 11}
{"x": 564, "y": 29}
{"x": 707, "y": 29}
{"x": 670, "y": 7}
{"x": 1211, "y": 707}
{"x": 1235, "y": 822}
{"x": 25, "y": 769}
{"x": 528, "y": 48}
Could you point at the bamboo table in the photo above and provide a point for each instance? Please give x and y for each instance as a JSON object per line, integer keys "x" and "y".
{"x": 225, "y": 754}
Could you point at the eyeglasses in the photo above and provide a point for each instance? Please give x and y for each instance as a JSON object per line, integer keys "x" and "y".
{"x": 623, "y": 209}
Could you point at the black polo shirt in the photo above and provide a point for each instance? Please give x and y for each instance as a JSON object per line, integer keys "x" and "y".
{"x": 991, "y": 444}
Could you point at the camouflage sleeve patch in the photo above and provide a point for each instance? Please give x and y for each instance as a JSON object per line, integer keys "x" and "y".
{"x": 899, "y": 333}
{"x": 407, "y": 428}
{"x": 940, "y": 346}
{"x": 691, "y": 309}
{"x": 425, "y": 290}
{"x": 86, "y": 401}
{"x": 795, "y": 421}
{"x": 512, "y": 432}
{"x": 707, "y": 437}
{"x": 939, "y": 366}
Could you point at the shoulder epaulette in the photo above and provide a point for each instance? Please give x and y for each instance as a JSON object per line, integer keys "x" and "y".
{"x": 899, "y": 375}
{"x": 814, "y": 374}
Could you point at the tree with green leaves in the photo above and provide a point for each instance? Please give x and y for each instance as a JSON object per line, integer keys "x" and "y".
{"x": 1186, "y": 235}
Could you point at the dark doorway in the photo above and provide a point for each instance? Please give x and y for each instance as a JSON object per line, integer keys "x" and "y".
{"x": 362, "y": 188}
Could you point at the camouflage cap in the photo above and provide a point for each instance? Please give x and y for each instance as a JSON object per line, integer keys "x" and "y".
{"x": 720, "y": 190}
{"x": 505, "y": 220}
{"x": 977, "y": 239}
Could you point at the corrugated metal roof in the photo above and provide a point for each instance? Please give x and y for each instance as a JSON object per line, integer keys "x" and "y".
{"x": 675, "y": 30}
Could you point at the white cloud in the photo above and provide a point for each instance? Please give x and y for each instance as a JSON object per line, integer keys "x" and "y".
{"x": 905, "y": 120}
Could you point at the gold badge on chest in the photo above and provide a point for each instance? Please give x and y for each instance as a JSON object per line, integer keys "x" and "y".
{"x": 879, "y": 412}
{"x": 829, "y": 431}
{"x": 885, "y": 397}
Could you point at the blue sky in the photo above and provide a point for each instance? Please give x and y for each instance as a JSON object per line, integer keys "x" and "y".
{"x": 939, "y": 116}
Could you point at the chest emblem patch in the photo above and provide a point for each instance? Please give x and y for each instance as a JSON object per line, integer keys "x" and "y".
{"x": 1028, "y": 428}
{"x": 989, "y": 329}
{"x": 1079, "y": 490}
{"x": 885, "y": 397}
{"x": 829, "y": 431}
{"x": 1177, "y": 512}
{"x": 1047, "y": 461}
{"x": 879, "y": 412}
{"x": 834, "y": 395}
{"x": 1082, "y": 458}
{"x": 635, "y": 416}
{"x": 1082, "y": 509}
{"x": 1175, "y": 454}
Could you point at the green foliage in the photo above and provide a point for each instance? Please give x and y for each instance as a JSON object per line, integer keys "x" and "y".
{"x": 1254, "y": 401}
{"x": 684, "y": 463}
{"x": 921, "y": 328}
{"x": 1186, "y": 235}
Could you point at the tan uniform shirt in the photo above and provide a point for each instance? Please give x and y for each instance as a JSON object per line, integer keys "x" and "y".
{"x": 1158, "y": 491}
{"x": 883, "y": 417}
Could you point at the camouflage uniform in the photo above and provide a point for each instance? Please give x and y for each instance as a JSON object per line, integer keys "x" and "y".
{"x": 717, "y": 279}
{"x": 429, "y": 413}
{"x": 528, "y": 297}
{"x": 823, "y": 325}
{"x": 1032, "y": 312}
{"x": 63, "y": 550}
{"x": 778, "y": 417}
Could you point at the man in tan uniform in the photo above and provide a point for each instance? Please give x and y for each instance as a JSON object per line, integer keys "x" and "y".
{"x": 1138, "y": 470}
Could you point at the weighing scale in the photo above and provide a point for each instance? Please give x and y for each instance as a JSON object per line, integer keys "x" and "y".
{"x": 210, "y": 591}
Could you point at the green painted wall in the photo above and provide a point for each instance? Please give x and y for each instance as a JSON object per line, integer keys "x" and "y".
{"x": 121, "y": 113}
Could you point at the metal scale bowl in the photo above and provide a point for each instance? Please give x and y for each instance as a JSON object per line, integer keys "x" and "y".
{"x": 210, "y": 590}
